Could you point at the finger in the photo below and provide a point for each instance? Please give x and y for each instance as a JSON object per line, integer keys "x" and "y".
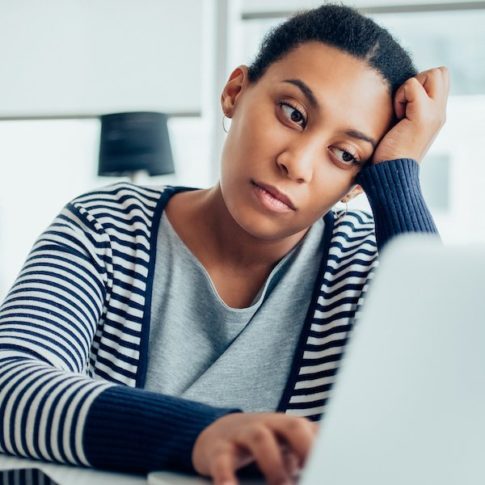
{"x": 433, "y": 82}
{"x": 298, "y": 433}
{"x": 264, "y": 447}
{"x": 223, "y": 466}
{"x": 410, "y": 99}
{"x": 446, "y": 77}
{"x": 292, "y": 464}
{"x": 409, "y": 92}
{"x": 400, "y": 102}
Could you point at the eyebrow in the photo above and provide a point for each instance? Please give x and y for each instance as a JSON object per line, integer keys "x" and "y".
{"x": 310, "y": 96}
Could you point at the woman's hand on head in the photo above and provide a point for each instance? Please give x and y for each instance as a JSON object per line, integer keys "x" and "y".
{"x": 277, "y": 442}
{"x": 420, "y": 108}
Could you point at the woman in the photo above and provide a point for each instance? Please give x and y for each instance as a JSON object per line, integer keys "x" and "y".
{"x": 144, "y": 321}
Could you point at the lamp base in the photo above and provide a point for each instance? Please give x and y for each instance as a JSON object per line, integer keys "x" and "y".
{"x": 135, "y": 177}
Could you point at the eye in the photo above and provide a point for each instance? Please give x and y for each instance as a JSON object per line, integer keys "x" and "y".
{"x": 293, "y": 114}
{"x": 345, "y": 157}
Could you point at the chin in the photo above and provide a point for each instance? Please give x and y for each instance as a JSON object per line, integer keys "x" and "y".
{"x": 254, "y": 221}
{"x": 262, "y": 227}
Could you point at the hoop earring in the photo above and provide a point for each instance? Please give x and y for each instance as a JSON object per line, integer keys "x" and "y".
{"x": 223, "y": 124}
{"x": 343, "y": 213}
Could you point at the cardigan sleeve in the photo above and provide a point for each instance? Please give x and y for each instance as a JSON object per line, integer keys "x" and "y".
{"x": 395, "y": 196}
{"x": 50, "y": 407}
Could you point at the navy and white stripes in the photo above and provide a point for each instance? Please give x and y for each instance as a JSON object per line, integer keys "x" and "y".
{"x": 125, "y": 216}
{"x": 351, "y": 257}
{"x": 74, "y": 329}
{"x": 74, "y": 312}
{"x": 394, "y": 193}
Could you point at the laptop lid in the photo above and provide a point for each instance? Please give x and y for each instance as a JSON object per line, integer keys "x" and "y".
{"x": 409, "y": 402}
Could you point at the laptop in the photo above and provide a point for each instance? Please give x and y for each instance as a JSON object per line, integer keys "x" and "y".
{"x": 409, "y": 403}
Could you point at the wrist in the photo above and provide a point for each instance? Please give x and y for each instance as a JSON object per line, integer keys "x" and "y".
{"x": 391, "y": 157}
{"x": 208, "y": 438}
{"x": 198, "y": 459}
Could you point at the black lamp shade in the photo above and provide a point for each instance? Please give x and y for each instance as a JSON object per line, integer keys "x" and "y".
{"x": 135, "y": 141}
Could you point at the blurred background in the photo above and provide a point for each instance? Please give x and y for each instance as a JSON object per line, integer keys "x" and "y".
{"x": 64, "y": 63}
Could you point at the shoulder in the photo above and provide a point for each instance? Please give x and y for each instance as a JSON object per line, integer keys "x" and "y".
{"x": 123, "y": 202}
{"x": 121, "y": 197}
{"x": 354, "y": 220}
{"x": 118, "y": 209}
{"x": 354, "y": 229}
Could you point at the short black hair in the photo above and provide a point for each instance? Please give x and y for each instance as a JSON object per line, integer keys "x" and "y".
{"x": 344, "y": 28}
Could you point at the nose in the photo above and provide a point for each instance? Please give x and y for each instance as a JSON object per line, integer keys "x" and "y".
{"x": 296, "y": 161}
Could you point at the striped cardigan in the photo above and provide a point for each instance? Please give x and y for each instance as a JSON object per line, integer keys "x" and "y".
{"x": 74, "y": 327}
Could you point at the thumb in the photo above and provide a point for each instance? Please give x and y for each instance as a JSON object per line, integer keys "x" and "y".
{"x": 408, "y": 97}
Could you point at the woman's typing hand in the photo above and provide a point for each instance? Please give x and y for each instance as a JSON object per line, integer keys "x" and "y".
{"x": 277, "y": 442}
{"x": 420, "y": 108}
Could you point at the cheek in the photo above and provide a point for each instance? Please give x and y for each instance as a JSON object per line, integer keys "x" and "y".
{"x": 251, "y": 147}
{"x": 259, "y": 130}
{"x": 330, "y": 184}
{"x": 331, "y": 179}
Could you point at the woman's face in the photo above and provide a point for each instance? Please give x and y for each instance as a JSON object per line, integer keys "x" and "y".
{"x": 304, "y": 129}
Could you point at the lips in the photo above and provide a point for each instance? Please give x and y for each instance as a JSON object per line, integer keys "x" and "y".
{"x": 275, "y": 193}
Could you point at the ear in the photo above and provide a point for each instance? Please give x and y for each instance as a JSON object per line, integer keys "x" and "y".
{"x": 353, "y": 192}
{"x": 234, "y": 87}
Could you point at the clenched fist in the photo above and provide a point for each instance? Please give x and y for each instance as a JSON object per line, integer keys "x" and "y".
{"x": 420, "y": 107}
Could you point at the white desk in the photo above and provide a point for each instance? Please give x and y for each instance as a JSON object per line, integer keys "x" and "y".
{"x": 71, "y": 475}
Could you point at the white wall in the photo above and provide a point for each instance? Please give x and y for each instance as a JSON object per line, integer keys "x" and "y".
{"x": 92, "y": 56}
{"x": 95, "y": 56}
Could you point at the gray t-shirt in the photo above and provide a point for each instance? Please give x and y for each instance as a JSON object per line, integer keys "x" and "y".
{"x": 204, "y": 350}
